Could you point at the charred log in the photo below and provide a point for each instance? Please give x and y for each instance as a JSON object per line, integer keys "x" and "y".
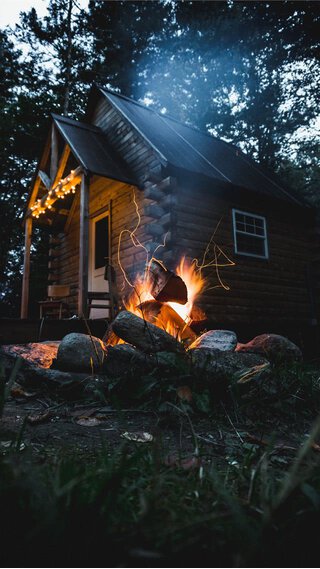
{"x": 166, "y": 285}
{"x": 165, "y": 317}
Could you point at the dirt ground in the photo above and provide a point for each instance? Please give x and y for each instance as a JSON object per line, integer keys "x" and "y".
{"x": 48, "y": 424}
{"x": 62, "y": 429}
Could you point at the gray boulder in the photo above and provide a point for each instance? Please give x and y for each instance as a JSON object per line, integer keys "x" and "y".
{"x": 80, "y": 352}
{"x": 228, "y": 366}
{"x": 222, "y": 340}
{"x": 274, "y": 347}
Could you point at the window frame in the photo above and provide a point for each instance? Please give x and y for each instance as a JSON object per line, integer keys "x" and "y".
{"x": 263, "y": 237}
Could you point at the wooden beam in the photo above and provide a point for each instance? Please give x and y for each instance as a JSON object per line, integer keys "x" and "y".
{"x": 26, "y": 268}
{"x": 70, "y": 181}
{"x": 61, "y": 168}
{"x": 45, "y": 179}
{"x": 54, "y": 153}
{"x": 84, "y": 247}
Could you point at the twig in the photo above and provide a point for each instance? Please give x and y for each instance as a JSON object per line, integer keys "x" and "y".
{"x": 231, "y": 423}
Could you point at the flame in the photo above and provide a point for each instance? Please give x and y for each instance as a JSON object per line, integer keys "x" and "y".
{"x": 141, "y": 293}
{"x": 195, "y": 284}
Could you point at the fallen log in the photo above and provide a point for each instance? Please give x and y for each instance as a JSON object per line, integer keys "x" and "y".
{"x": 144, "y": 335}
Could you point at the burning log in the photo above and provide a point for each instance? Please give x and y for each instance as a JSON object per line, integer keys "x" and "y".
{"x": 166, "y": 285}
{"x": 165, "y": 317}
{"x": 143, "y": 334}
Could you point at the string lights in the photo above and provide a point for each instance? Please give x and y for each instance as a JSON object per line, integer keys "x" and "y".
{"x": 63, "y": 188}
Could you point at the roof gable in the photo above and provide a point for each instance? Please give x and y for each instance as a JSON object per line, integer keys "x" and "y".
{"x": 187, "y": 148}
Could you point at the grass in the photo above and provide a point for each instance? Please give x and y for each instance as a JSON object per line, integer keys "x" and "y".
{"x": 251, "y": 506}
{"x": 132, "y": 510}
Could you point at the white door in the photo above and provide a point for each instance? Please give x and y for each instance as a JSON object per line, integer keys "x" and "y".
{"x": 98, "y": 258}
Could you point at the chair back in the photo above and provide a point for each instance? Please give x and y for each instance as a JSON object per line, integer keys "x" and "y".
{"x": 58, "y": 291}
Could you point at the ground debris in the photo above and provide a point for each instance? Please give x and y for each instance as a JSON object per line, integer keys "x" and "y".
{"x": 138, "y": 437}
{"x": 39, "y": 417}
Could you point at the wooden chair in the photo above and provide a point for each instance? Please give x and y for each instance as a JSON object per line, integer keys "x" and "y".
{"x": 55, "y": 305}
{"x": 111, "y": 296}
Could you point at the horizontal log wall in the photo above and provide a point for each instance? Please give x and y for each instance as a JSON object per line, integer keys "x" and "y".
{"x": 271, "y": 290}
{"x": 123, "y": 216}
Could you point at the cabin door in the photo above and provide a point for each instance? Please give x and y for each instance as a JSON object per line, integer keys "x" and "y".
{"x": 99, "y": 254}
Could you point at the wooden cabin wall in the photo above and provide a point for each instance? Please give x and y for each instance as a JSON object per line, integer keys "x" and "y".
{"x": 119, "y": 198}
{"x": 273, "y": 290}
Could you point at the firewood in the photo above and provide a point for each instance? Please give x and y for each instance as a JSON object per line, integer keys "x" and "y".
{"x": 166, "y": 317}
{"x": 144, "y": 335}
{"x": 166, "y": 285}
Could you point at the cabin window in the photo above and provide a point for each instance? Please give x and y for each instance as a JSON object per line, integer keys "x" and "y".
{"x": 250, "y": 234}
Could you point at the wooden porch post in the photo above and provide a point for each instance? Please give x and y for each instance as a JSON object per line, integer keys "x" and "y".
{"x": 26, "y": 268}
{"x": 84, "y": 246}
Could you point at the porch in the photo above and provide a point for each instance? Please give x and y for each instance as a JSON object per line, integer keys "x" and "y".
{"x": 63, "y": 201}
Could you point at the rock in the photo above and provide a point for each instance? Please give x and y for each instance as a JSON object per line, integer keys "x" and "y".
{"x": 124, "y": 358}
{"x": 144, "y": 335}
{"x": 274, "y": 347}
{"x": 222, "y": 340}
{"x": 37, "y": 375}
{"x": 36, "y": 353}
{"x": 80, "y": 352}
{"x": 228, "y": 365}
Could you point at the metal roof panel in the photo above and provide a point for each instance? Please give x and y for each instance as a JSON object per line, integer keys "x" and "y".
{"x": 91, "y": 148}
{"x": 187, "y": 148}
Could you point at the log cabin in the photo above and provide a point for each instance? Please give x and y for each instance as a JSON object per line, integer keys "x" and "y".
{"x": 125, "y": 168}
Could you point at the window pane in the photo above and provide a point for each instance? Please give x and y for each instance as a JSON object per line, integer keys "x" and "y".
{"x": 239, "y": 216}
{"x": 250, "y": 244}
{"x": 101, "y": 242}
{"x": 258, "y": 222}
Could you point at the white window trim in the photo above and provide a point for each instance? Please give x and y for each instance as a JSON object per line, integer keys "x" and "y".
{"x": 264, "y": 237}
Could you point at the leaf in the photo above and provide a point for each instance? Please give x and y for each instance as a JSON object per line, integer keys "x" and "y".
{"x": 184, "y": 393}
{"x": 186, "y": 463}
{"x": 17, "y": 391}
{"x": 39, "y": 418}
{"x": 88, "y": 421}
{"x": 138, "y": 437}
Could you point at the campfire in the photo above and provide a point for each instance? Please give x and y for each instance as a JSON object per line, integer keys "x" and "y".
{"x": 167, "y": 299}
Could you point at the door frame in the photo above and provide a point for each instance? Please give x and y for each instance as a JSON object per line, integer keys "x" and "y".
{"x": 93, "y": 218}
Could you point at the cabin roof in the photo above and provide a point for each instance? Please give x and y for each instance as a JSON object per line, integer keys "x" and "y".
{"x": 91, "y": 148}
{"x": 187, "y": 148}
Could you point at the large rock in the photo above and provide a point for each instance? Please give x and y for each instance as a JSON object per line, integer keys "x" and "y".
{"x": 274, "y": 347}
{"x": 36, "y": 353}
{"x": 36, "y": 375}
{"x": 144, "y": 335}
{"x": 222, "y": 340}
{"x": 124, "y": 358}
{"x": 80, "y": 352}
{"x": 228, "y": 365}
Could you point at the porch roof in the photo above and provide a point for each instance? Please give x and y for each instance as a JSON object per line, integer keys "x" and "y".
{"x": 90, "y": 147}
